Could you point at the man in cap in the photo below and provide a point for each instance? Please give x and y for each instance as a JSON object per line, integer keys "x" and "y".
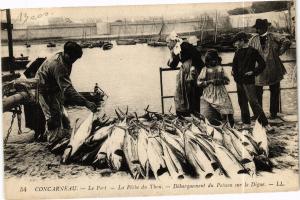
{"x": 244, "y": 71}
{"x": 55, "y": 87}
{"x": 270, "y": 48}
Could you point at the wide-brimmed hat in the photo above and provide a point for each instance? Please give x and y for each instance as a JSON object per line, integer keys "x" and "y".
{"x": 261, "y": 23}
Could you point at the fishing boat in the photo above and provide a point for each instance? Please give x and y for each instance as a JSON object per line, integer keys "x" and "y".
{"x": 107, "y": 45}
{"x": 222, "y": 43}
{"x": 158, "y": 41}
{"x": 51, "y": 44}
{"x": 154, "y": 43}
{"x": 27, "y": 45}
{"x": 141, "y": 40}
{"x": 21, "y": 58}
{"x": 126, "y": 42}
{"x": 17, "y": 63}
{"x": 96, "y": 44}
{"x": 84, "y": 44}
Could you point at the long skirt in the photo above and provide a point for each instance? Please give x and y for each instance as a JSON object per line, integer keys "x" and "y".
{"x": 210, "y": 113}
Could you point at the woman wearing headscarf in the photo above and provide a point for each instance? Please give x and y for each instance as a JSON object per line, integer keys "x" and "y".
{"x": 187, "y": 94}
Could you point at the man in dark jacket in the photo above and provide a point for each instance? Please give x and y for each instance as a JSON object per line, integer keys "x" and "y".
{"x": 244, "y": 71}
{"x": 55, "y": 87}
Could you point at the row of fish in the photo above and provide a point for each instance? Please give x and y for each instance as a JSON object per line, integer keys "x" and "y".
{"x": 164, "y": 146}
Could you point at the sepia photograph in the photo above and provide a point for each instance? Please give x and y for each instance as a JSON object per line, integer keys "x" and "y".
{"x": 147, "y": 100}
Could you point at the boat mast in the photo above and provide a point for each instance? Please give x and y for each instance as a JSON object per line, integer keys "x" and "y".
{"x": 9, "y": 28}
{"x": 161, "y": 29}
{"x": 216, "y": 26}
{"x": 125, "y": 28}
{"x": 26, "y": 35}
{"x": 289, "y": 17}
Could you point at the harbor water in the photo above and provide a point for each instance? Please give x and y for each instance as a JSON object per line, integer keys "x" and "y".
{"x": 129, "y": 75}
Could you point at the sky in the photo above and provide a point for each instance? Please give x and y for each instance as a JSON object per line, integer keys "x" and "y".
{"x": 111, "y": 13}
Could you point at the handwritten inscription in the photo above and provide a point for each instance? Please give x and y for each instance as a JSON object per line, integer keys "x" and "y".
{"x": 24, "y": 17}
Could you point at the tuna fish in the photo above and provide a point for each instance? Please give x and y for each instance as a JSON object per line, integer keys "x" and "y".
{"x": 156, "y": 159}
{"x": 245, "y": 158}
{"x": 142, "y": 144}
{"x": 101, "y": 160}
{"x": 78, "y": 138}
{"x": 100, "y": 135}
{"x": 175, "y": 143}
{"x": 172, "y": 162}
{"x": 60, "y": 147}
{"x": 260, "y": 136}
{"x": 89, "y": 157}
{"x": 131, "y": 154}
{"x": 229, "y": 163}
{"x": 242, "y": 137}
{"x": 213, "y": 132}
{"x": 197, "y": 157}
{"x": 229, "y": 145}
{"x": 195, "y": 129}
{"x": 115, "y": 152}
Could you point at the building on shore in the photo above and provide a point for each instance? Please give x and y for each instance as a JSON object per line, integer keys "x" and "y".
{"x": 278, "y": 19}
{"x": 119, "y": 28}
{"x": 52, "y": 31}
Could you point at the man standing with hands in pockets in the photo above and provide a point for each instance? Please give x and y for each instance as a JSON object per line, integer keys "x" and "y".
{"x": 244, "y": 71}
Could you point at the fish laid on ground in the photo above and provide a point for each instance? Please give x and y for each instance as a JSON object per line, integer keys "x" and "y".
{"x": 156, "y": 159}
{"x": 142, "y": 143}
{"x": 131, "y": 154}
{"x": 261, "y": 160}
{"x": 101, "y": 157}
{"x": 229, "y": 163}
{"x": 78, "y": 138}
{"x": 115, "y": 152}
{"x": 260, "y": 136}
{"x": 208, "y": 146}
{"x": 60, "y": 147}
{"x": 242, "y": 136}
{"x": 213, "y": 132}
{"x": 195, "y": 129}
{"x": 172, "y": 162}
{"x": 227, "y": 141}
{"x": 100, "y": 135}
{"x": 196, "y": 156}
{"x": 246, "y": 158}
{"x": 89, "y": 157}
{"x": 175, "y": 143}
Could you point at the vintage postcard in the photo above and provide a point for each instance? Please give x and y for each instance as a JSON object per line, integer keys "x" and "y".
{"x": 145, "y": 100}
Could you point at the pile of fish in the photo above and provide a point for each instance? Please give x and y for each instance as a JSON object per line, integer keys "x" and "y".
{"x": 163, "y": 146}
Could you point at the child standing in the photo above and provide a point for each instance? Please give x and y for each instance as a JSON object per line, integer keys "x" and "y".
{"x": 215, "y": 101}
